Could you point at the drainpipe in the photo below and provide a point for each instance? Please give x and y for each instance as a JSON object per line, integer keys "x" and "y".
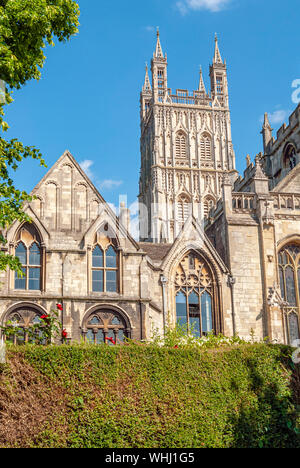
{"x": 64, "y": 256}
{"x": 232, "y": 282}
{"x": 164, "y": 282}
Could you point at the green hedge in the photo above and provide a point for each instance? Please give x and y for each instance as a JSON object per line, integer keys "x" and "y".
{"x": 145, "y": 396}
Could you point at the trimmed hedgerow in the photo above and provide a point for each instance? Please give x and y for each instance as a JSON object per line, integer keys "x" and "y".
{"x": 148, "y": 397}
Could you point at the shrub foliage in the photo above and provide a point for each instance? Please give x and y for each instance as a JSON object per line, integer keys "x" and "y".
{"x": 139, "y": 396}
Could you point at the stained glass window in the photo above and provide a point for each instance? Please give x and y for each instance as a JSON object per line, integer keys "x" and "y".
{"x": 181, "y": 309}
{"x": 194, "y": 296}
{"x": 206, "y": 310}
{"x": 289, "y": 275}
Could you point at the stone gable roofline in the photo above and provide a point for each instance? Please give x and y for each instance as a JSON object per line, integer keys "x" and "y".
{"x": 68, "y": 155}
{"x": 198, "y": 240}
{"x": 110, "y": 212}
{"x": 282, "y": 185}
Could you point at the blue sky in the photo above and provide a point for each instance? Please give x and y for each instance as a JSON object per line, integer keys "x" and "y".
{"x": 88, "y": 98}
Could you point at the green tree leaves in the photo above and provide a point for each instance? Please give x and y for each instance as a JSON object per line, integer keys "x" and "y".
{"x": 26, "y": 27}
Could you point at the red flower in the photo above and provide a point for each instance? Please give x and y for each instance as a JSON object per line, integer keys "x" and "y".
{"x": 176, "y": 346}
{"x": 111, "y": 340}
{"x": 59, "y": 306}
{"x": 64, "y": 334}
{"x": 45, "y": 317}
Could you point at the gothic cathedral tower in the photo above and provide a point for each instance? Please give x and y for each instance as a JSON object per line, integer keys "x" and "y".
{"x": 186, "y": 147}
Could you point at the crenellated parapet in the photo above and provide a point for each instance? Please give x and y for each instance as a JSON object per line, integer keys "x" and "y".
{"x": 282, "y": 154}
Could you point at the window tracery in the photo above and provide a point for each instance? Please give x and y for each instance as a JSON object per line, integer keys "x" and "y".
{"x": 105, "y": 265}
{"x": 194, "y": 290}
{"x": 29, "y": 251}
{"x": 105, "y": 326}
{"x": 289, "y": 275}
{"x": 290, "y": 160}
{"x": 22, "y": 319}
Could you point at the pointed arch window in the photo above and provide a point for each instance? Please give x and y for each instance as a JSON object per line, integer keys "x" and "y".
{"x": 29, "y": 251}
{"x": 206, "y": 147}
{"x": 290, "y": 160}
{"x": 289, "y": 275}
{"x": 195, "y": 293}
{"x": 104, "y": 269}
{"x": 181, "y": 145}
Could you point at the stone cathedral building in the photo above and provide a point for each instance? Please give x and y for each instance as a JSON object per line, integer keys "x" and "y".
{"x": 218, "y": 252}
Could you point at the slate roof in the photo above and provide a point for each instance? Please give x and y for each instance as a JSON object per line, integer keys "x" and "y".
{"x": 157, "y": 252}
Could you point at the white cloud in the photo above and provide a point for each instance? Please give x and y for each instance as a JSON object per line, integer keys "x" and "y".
{"x": 211, "y": 5}
{"x": 277, "y": 117}
{"x": 110, "y": 184}
{"x": 86, "y": 167}
{"x": 107, "y": 184}
{"x": 150, "y": 28}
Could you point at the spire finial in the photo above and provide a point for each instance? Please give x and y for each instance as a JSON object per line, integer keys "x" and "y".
{"x": 217, "y": 57}
{"x": 266, "y": 122}
{"x": 201, "y": 82}
{"x": 266, "y": 132}
{"x": 158, "y": 51}
{"x": 147, "y": 84}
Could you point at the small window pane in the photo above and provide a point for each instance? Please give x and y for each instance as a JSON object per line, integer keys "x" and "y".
{"x": 100, "y": 337}
{"x": 94, "y": 321}
{"x": 115, "y": 321}
{"x": 194, "y": 314}
{"x": 110, "y": 334}
{"x": 34, "y": 255}
{"x": 181, "y": 309}
{"x": 120, "y": 336}
{"x": 34, "y": 279}
{"x": 111, "y": 258}
{"x": 290, "y": 286}
{"x": 89, "y": 338}
{"x": 16, "y": 319}
{"x": 293, "y": 328}
{"x": 21, "y": 336}
{"x": 111, "y": 281}
{"x": 97, "y": 281}
{"x": 206, "y": 313}
{"x": 21, "y": 253}
{"x": 97, "y": 258}
{"x": 20, "y": 283}
{"x": 281, "y": 276}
